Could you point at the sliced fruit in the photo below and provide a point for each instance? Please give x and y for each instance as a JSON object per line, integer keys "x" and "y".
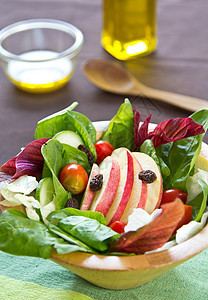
{"x": 154, "y": 191}
{"x": 69, "y": 137}
{"x": 104, "y": 198}
{"x": 125, "y": 161}
{"x": 89, "y": 194}
{"x": 139, "y": 192}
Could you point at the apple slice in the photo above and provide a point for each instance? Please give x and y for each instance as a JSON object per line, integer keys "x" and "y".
{"x": 89, "y": 194}
{"x": 125, "y": 160}
{"x": 139, "y": 192}
{"x": 154, "y": 191}
{"x": 103, "y": 199}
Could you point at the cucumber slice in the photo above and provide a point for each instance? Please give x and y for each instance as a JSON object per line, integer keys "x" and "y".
{"x": 69, "y": 137}
{"x": 45, "y": 191}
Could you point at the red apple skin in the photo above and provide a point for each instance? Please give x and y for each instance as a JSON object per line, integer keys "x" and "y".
{"x": 154, "y": 190}
{"x": 89, "y": 194}
{"x": 138, "y": 194}
{"x": 103, "y": 198}
{"x": 123, "y": 194}
{"x": 106, "y": 201}
{"x": 103, "y": 149}
{"x": 74, "y": 178}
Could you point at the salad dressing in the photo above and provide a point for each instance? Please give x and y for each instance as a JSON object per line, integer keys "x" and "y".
{"x": 40, "y": 77}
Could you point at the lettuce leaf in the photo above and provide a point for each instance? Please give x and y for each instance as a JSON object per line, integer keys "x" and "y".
{"x": 120, "y": 132}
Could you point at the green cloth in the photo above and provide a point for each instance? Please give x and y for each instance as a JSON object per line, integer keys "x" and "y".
{"x": 34, "y": 278}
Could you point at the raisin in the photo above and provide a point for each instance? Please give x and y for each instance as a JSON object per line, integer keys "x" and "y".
{"x": 88, "y": 152}
{"x": 147, "y": 176}
{"x": 96, "y": 182}
{"x": 72, "y": 202}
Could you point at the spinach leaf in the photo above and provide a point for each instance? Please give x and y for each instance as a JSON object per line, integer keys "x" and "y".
{"x": 68, "y": 120}
{"x": 181, "y": 159}
{"x": 120, "y": 131}
{"x": 85, "y": 129}
{"x": 55, "y": 123}
{"x": 148, "y": 148}
{"x": 70, "y": 239}
{"x": 199, "y": 202}
{"x": 22, "y": 236}
{"x": 58, "y": 215}
{"x": 52, "y": 153}
{"x": 89, "y": 231}
{"x": 56, "y": 156}
{"x": 180, "y": 156}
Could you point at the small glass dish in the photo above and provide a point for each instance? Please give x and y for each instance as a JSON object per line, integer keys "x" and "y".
{"x": 40, "y": 55}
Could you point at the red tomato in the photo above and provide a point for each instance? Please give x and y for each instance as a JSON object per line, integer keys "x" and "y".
{"x": 74, "y": 178}
{"x": 172, "y": 194}
{"x": 118, "y": 226}
{"x": 103, "y": 149}
{"x": 186, "y": 217}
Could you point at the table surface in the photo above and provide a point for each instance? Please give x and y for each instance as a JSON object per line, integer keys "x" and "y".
{"x": 179, "y": 65}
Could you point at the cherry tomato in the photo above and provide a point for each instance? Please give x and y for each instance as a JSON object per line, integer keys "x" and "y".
{"x": 103, "y": 149}
{"x": 186, "y": 217}
{"x": 118, "y": 226}
{"x": 74, "y": 178}
{"x": 172, "y": 194}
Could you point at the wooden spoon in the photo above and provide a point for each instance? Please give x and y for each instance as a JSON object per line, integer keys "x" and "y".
{"x": 113, "y": 78}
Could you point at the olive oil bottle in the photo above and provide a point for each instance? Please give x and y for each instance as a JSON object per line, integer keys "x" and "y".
{"x": 129, "y": 28}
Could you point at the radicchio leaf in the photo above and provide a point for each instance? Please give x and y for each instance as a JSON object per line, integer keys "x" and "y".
{"x": 28, "y": 162}
{"x": 166, "y": 131}
{"x": 140, "y": 132}
{"x": 173, "y": 130}
{"x": 153, "y": 235}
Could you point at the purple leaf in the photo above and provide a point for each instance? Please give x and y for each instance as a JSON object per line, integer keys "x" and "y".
{"x": 28, "y": 162}
{"x": 173, "y": 130}
{"x": 153, "y": 235}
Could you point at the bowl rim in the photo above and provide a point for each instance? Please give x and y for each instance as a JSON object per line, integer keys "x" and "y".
{"x": 158, "y": 259}
{"x": 46, "y": 24}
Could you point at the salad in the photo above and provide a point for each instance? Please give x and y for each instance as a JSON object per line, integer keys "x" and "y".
{"x": 128, "y": 191}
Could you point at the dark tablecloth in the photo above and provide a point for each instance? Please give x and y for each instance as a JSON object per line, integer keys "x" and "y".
{"x": 179, "y": 65}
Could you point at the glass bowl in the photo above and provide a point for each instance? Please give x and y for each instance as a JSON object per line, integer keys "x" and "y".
{"x": 40, "y": 55}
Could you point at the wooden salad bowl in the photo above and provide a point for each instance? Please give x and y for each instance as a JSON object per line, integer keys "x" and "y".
{"x": 126, "y": 272}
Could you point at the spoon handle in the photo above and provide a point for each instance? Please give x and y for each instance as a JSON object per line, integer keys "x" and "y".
{"x": 178, "y": 100}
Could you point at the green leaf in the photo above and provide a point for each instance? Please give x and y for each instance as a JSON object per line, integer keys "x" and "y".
{"x": 148, "y": 148}
{"x": 22, "y": 236}
{"x": 58, "y": 215}
{"x": 57, "y": 156}
{"x": 120, "y": 131}
{"x": 89, "y": 231}
{"x": 68, "y": 120}
{"x": 85, "y": 129}
{"x": 71, "y": 240}
{"x": 55, "y": 123}
{"x": 199, "y": 203}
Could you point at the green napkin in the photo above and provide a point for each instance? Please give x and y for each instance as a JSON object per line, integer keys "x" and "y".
{"x": 34, "y": 278}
